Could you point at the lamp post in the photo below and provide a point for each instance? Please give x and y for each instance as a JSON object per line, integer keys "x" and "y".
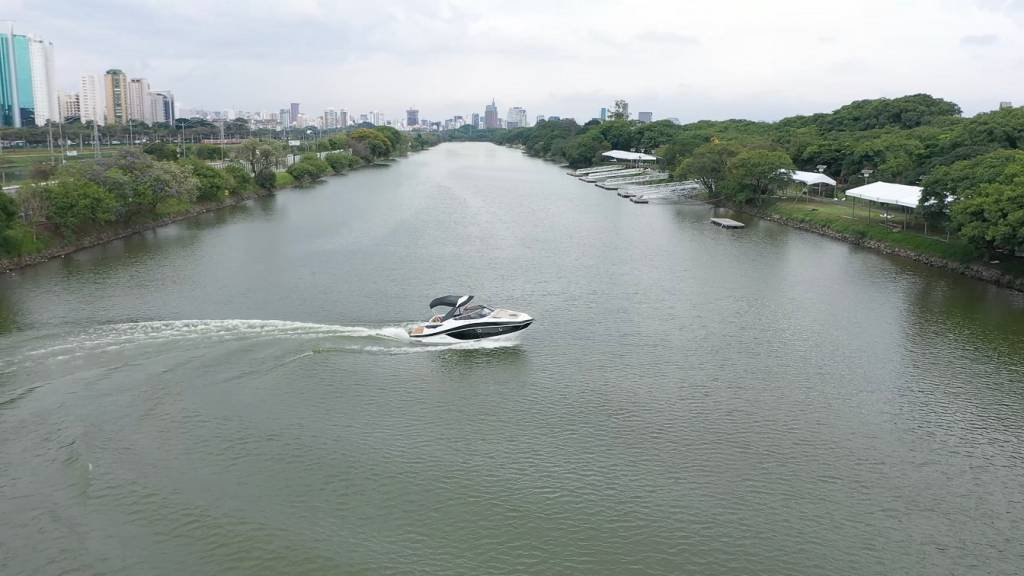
{"x": 866, "y": 173}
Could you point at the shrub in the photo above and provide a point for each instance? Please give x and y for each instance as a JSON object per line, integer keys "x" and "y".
{"x": 342, "y": 162}
{"x": 284, "y": 180}
{"x": 266, "y": 179}
{"x": 240, "y": 182}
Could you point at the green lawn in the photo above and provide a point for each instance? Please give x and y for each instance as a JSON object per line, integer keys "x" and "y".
{"x": 839, "y": 217}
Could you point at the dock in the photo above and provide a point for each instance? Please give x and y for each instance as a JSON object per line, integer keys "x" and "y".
{"x": 727, "y": 223}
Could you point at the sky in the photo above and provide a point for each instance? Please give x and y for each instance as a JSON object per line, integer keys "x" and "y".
{"x": 688, "y": 59}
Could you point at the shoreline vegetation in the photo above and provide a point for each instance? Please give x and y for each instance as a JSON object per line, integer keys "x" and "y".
{"x": 970, "y": 218}
{"x": 91, "y": 202}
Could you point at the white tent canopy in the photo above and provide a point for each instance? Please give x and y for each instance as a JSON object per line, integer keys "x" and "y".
{"x": 888, "y": 193}
{"x": 623, "y": 155}
{"x": 809, "y": 177}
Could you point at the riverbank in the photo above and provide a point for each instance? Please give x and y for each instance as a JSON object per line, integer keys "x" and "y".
{"x": 934, "y": 252}
{"x": 98, "y": 238}
{"x": 105, "y": 236}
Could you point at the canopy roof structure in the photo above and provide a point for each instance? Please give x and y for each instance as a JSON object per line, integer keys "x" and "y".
{"x": 623, "y": 155}
{"x": 810, "y": 177}
{"x": 888, "y": 193}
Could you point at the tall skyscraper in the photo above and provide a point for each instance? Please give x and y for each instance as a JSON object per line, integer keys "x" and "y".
{"x": 161, "y": 107}
{"x": 28, "y": 94}
{"x": 138, "y": 101}
{"x": 491, "y": 115}
{"x": 89, "y": 102}
{"x": 70, "y": 106}
{"x": 166, "y": 100}
{"x": 516, "y": 118}
{"x": 342, "y": 118}
{"x": 412, "y": 117}
{"x": 475, "y": 120}
{"x": 115, "y": 84}
{"x": 330, "y": 119}
{"x": 44, "y": 88}
{"x": 604, "y": 114}
{"x": 294, "y": 112}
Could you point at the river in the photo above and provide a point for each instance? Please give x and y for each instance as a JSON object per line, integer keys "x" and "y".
{"x": 232, "y": 394}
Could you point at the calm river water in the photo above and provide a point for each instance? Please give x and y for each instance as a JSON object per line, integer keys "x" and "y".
{"x": 232, "y": 395}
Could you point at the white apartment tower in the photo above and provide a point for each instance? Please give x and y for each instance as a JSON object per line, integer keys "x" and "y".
{"x": 44, "y": 88}
{"x": 139, "y": 108}
{"x": 89, "y": 100}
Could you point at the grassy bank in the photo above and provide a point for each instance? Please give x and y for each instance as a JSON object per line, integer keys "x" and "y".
{"x": 837, "y": 216}
{"x": 838, "y": 220}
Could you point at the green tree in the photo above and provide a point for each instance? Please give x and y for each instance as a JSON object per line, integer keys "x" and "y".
{"x": 583, "y": 151}
{"x": 266, "y": 179}
{"x": 8, "y": 221}
{"x": 162, "y": 151}
{"x": 992, "y": 217}
{"x": 341, "y": 162}
{"x": 77, "y": 205}
{"x": 369, "y": 144}
{"x": 308, "y": 170}
{"x": 708, "y": 165}
{"x": 143, "y": 187}
{"x": 260, "y": 154}
{"x": 754, "y": 174}
{"x": 212, "y": 183}
{"x": 239, "y": 181}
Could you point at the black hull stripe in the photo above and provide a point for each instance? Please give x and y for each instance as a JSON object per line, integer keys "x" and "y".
{"x": 474, "y": 332}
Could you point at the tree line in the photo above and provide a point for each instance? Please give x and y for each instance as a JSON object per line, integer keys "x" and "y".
{"x": 134, "y": 187}
{"x": 971, "y": 168}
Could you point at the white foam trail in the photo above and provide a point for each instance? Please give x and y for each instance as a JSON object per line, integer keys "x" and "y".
{"x": 113, "y": 337}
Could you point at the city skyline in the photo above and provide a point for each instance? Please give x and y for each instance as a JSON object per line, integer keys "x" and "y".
{"x": 778, "y": 61}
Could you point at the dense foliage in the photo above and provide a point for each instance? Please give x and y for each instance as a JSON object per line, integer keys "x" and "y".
{"x": 968, "y": 166}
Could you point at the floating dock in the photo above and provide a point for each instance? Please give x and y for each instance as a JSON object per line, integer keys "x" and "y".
{"x": 595, "y": 170}
{"x": 727, "y": 223}
{"x": 601, "y": 176}
{"x": 616, "y": 183}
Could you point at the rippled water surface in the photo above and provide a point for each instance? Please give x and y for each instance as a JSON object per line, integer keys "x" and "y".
{"x": 235, "y": 394}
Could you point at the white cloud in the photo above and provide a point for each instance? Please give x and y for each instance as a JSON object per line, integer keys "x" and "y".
{"x": 695, "y": 59}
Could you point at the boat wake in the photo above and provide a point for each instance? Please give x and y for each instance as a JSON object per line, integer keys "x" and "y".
{"x": 393, "y": 339}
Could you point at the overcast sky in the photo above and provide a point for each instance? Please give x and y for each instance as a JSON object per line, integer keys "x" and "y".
{"x": 688, "y": 59}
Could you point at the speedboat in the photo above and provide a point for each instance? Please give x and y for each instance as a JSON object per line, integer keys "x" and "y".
{"x": 465, "y": 321}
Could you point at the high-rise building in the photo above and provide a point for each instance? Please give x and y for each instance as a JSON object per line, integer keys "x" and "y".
{"x": 166, "y": 101}
{"x": 491, "y": 115}
{"x": 294, "y": 112}
{"x": 412, "y": 117}
{"x": 28, "y": 94}
{"x": 645, "y": 117}
{"x": 330, "y": 119}
{"x": 516, "y": 118}
{"x": 138, "y": 100}
{"x": 115, "y": 84}
{"x": 286, "y": 118}
{"x": 604, "y": 114}
{"x": 89, "y": 101}
{"x": 69, "y": 105}
{"x": 44, "y": 88}
{"x": 161, "y": 107}
{"x": 342, "y": 118}
{"x": 540, "y": 118}
{"x": 475, "y": 120}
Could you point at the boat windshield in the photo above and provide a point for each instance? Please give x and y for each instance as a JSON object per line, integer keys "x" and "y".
{"x": 474, "y": 312}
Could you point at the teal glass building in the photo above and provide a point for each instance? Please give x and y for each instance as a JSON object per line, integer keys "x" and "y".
{"x": 17, "y": 105}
